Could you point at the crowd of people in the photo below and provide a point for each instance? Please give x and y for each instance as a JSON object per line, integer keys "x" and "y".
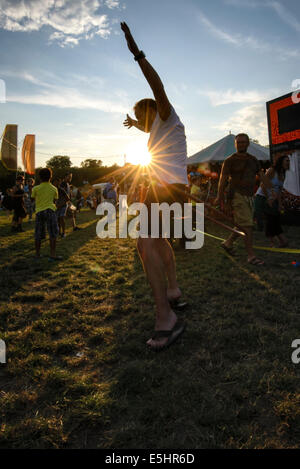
{"x": 50, "y": 201}
{"x": 264, "y": 206}
{"x": 245, "y": 191}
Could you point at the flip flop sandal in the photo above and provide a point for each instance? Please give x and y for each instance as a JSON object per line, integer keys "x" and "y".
{"x": 172, "y": 336}
{"x": 177, "y": 304}
{"x": 229, "y": 251}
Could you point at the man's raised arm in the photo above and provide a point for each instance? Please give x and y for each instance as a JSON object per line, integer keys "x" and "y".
{"x": 163, "y": 104}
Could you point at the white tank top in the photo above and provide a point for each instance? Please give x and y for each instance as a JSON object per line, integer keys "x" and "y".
{"x": 167, "y": 146}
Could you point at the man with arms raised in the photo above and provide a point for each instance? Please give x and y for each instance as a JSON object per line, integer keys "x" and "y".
{"x": 167, "y": 145}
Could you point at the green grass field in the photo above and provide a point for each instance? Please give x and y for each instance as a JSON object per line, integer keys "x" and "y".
{"x": 79, "y": 375}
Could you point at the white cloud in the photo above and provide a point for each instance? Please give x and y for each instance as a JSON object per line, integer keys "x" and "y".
{"x": 64, "y": 96}
{"x": 219, "y": 97}
{"x": 249, "y": 119}
{"x": 69, "y": 98}
{"x": 285, "y": 15}
{"x": 281, "y": 10}
{"x": 238, "y": 40}
{"x": 112, "y": 3}
{"x": 217, "y": 31}
{"x": 70, "y": 20}
{"x": 235, "y": 39}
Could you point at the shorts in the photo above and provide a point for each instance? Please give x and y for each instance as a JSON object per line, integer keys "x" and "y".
{"x": 46, "y": 217}
{"x": 169, "y": 193}
{"x": 19, "y": 212}
{"x": 61, "y": 212}
{"x": 242, "y": 210}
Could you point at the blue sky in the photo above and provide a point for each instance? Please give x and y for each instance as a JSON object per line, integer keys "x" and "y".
{"x": 70, "y": 78}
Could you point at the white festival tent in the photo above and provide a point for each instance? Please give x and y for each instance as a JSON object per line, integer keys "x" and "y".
{"x": 292, "y": 177}
{"x": 225, "y": 147}
{"x": 100, "y": 185}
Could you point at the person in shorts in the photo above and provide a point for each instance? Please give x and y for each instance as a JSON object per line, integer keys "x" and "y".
{"x": 66, "y": 186}
{"x": 29, "y": 203}
{"x": 167, "y": 145}
{"x": 45, "y": 195}
{"x": 241, "y": 169}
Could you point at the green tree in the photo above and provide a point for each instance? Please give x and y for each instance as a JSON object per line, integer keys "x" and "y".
{"x": 59, "y": 162}
{"x": 90, "y": 163}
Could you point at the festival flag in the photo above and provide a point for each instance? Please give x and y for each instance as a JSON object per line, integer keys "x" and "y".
{"x": 28, "y": 154}
{"x": 9, "y": 147}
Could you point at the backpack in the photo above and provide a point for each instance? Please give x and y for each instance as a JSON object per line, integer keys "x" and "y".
{"x": 8, "y": 202}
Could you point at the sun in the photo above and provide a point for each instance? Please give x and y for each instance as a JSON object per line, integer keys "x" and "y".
{"x": 137, "y": 153}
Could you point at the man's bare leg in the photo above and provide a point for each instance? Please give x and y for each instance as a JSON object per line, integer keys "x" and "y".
{"x": 249, "y": 241}
{"x": 167, "y": 255}
{"x": 156, "y": 274}
{"x": 229, "y": 241}
{"x": 62, "y": 225}
{"x": 52, "y": 247}
{"x": 37, "y": 247}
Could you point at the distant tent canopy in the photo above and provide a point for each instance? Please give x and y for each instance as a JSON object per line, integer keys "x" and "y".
{"x": 225, "y": 147}
{"x": 9, "y": 147}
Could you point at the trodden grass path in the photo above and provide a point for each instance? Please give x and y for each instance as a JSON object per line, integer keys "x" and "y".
{"x": 79, "y": 375}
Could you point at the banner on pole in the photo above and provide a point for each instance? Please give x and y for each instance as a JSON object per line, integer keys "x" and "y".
{"x": 28, "y": 154}
{"x": 9, "y": 147}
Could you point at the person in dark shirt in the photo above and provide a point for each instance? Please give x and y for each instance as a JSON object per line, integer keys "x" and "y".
{"x": 29, "y": 203}
{"x": 66, "y": 186}
{"x": 17, "y": 193}
{"x": 61, "y": 206}
{"x": 79, "y": 200}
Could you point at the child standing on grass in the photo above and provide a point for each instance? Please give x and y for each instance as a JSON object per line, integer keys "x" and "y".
{"x": 44, "y": 195}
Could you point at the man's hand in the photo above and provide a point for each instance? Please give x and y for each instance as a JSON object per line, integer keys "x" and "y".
{"x": 130, "y": 41}
{"x": 128, "y": 122}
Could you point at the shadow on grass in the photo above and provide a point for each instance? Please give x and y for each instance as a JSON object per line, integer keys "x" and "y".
{"x": 19, "y": 264}
{"x": 80, "y": 374}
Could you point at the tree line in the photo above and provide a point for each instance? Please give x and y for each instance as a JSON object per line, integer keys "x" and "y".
{"x": 90, "y": 170}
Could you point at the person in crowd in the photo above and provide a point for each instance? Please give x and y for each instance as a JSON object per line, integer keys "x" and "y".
{"x": 111, "y": 192}
{"x": 195, "y": 190}
{"x": 79, "y": 200}
{"x": 45, "y": 195}
{"x": 98, "y": 193}
{"x": 167, "y": 145}
{"x": 67, "y": 188}
{"x": 17, "y": 193}
{"x": 90, "y": 201}
{"x": 268, "y": 201}
{"x": 241, "y": 168}
{"x": 61, "y": 206}
{"x": 29, "y": 202}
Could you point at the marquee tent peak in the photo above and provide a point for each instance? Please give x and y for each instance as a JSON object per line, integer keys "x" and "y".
{"x": 225, "y": 147}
